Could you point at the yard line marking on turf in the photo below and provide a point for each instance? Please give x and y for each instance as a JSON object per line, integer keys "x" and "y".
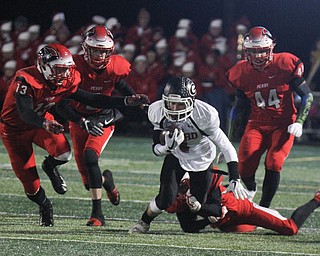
{"x": 303, "y": 159}
{"x": 152, "y": 245}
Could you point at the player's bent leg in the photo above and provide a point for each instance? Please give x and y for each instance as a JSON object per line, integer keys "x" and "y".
{"x": 112, "y": 191}
{"x": 50, "y": 166}
{"x": 300, "y": 215}
{"x": 269, "y": 188}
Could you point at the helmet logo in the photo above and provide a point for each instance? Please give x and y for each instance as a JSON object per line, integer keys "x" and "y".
{"x": 191, "y": 87}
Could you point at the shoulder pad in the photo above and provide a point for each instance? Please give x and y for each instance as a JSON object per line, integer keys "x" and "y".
{"x": 120, "y": 65}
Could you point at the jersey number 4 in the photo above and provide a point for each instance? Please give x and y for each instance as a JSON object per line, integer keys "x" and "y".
{"x": 272, "y": 100}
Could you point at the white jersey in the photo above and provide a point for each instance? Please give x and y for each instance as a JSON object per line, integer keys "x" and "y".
{"x": 202, "y": 134}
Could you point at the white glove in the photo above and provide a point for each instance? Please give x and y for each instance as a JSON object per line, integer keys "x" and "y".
{"x": 171, "y": 143}
{"x": 214, "y": 219}
{"x": 237, "y": 189}
{"x": 295, "y": 129}
{"x": 192, "y": 202}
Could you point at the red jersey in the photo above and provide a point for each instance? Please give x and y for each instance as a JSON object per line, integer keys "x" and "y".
{"x": 270, "y": 94}
{"x": 33, "y": 85}
{"x": 102, "y": 81}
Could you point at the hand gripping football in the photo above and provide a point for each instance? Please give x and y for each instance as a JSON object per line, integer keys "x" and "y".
{"x": 169, "y": 129}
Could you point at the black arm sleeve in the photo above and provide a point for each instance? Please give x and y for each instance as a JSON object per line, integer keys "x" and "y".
{"x": 233, "y": 170}
{"x": 64, "y": 110}
{"x": 124, "y": 88}
{"x": 213, "y": 205}
{"x": 25, "y": 108}
{"x": 239, "y": 116}
{"x": 189, "y": 222}
{"x": 97, "y": 100}
{"x": 300, "y": 86}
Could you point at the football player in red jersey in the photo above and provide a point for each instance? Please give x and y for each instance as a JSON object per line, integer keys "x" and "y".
{"x": 266, "y": 83}
{"x": 101, "y": 72}
{"x": 237, "y": 215}
{"x": 25, "y": 120}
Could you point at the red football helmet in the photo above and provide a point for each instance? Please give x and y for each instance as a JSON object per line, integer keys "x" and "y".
{"x": 56, "y": 64}
{"x": 98, "y": 45}
{"x": 258, "y": 46}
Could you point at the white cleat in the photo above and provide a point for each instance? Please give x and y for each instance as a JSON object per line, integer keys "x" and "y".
{"x": 251, "y": 194}
{"x": 139, "y": 228}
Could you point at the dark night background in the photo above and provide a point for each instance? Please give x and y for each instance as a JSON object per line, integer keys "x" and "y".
{"x": 294, "y": 23}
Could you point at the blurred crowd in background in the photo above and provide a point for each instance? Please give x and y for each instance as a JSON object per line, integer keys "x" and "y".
{"x": 154, "y": 56}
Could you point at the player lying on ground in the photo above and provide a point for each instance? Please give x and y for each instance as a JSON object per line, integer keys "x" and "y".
{"x": 237, "y": 215}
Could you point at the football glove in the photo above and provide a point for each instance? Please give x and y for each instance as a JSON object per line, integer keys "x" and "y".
{"x": 136, "y": 100}
{"x": 192, "y": 202}
{"x": 174, "y": 141}
{"x": 52, "y": 126}
{"x": 93, "y": 127}
{"x": 237, "y": 189}
{"x": 295, "y": 129}
{"x": 214, "y": 219}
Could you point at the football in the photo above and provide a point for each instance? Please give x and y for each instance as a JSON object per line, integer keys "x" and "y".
{"x": 163, "y": 132}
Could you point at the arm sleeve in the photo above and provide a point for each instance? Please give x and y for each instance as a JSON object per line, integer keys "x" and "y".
{"x": 25, "y": 108}
{"x": 302, "y": 89}
{"x": 98, "y": 100}
{"x": 64, "y": 109}
{"x": 239, "y": 116}
{"x": 213, "y": 205}
{"x": 124, "y": 88}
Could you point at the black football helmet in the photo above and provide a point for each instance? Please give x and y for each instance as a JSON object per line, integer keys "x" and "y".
{"x": 178, "y": 98}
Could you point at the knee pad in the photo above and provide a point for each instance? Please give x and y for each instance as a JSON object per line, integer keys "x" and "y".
{"x": 90, "y": 159}
{"x": 65, "y": 157}
{"x": 90, "y": 156}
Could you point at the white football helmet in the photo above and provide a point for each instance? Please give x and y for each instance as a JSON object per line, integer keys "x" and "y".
{"x": 56, "y": 64}
{"x": 178, "y": 99}
{"x": 258, "y": 46}
{"x": 98, "y": 46}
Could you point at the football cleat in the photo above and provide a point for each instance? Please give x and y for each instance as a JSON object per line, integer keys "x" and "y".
{"x": 317, "y": 196}
{"x": 46, "y": 215}
{"x": 114, "y": 196}
{"x": 108, "y": 184}
{"x": 251, "y": 194}
{"x": 96, "y": 221}
{"x": 140, "y": 228}
{"x": 57, "y": 181}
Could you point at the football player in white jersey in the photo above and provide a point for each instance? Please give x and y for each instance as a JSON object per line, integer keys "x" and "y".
{"x": 191, "y": 131}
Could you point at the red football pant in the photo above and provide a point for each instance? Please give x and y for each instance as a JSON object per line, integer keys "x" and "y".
{"x": 20, "y": 150}
{"x": 258, "y": 139}
{"x": 82, "y": 140}
{"x": 245, "y": 212}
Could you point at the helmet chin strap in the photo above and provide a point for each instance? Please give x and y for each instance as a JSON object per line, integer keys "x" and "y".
{"x": 52, "y": 86}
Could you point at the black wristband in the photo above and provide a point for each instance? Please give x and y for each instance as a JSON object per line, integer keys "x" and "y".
{"x": 233, "y": 170}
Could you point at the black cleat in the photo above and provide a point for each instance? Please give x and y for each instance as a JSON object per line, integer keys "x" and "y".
{"x": 112, "y": 192}
{"x": 46, "y": 215}
{"x": 57, "y": 180}
{"x": 97, "y": 221}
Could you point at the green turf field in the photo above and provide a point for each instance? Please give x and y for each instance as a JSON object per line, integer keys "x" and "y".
{"x": 136, "y": 172}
